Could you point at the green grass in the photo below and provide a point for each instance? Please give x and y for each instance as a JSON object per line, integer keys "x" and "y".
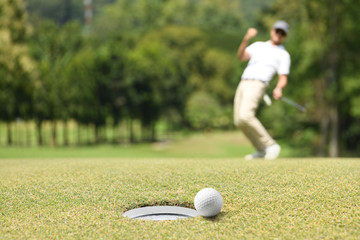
{"x": 206, "y": 145}
{"x": 230, "y": 144}
{"x": 85, "y": 198}
{"x": 57, "y": 196}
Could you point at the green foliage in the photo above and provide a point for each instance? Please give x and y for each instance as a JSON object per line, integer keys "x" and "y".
{"x": 91, "y": 87}
{"x": 62, "y": 11}
{"x": 16, "y": 65}
{"x": 144, "y": 60}
{"x": 224, "y": 15}
{"x": 59, "y": 11}
{"x": 203, "y": 111}
{"x": 127, "y": 18}
{"x": 137, "y": 17}
{"x": 154, "y": 79}
{"x": 169, "y": 64}
{"x": 218, "y": 69}
{"x": 53, "y": 48}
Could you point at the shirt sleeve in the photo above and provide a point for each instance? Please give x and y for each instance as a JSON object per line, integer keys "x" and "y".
{"x": 284, "y": 68}
{"x": 251, "y": 48}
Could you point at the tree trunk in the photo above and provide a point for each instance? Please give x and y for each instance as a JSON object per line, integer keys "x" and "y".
{"x": 9, "y": 134}
{"x": 142, "y": 133}
{"x": 28, "y": 134}
{"x": 153, "y": 132}
{"x": 88, "y": 137}
{"x": 113, "y": 133}
{"x": 53, "y": 135}
{"x": 66, "y": 135}
{"x": 78, "y": 133}
{"x": 131, "y": 131}
{"x": 332, "y": 81}
{"x": 324, "y": 129}
{"x": 334, "y": 133}
{"x": 96, "y": 131}
{"x": 39, "y": 133}
{"x": 122, "y": 132}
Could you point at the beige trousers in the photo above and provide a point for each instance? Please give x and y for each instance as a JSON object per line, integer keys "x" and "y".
{"x": 247, "y": 98}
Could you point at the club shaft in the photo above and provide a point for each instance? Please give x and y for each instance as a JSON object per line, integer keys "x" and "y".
{"x": 292, "y": 103}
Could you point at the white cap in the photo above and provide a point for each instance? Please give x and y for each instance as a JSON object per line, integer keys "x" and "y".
{"x": 282, "y": 25}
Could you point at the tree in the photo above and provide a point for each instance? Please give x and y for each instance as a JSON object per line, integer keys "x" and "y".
{"x": 117, "y": 55}
{"x": 184, "y": 49}
{"x": 59, "y": 11}
{"x": 169, "y": 65}
{"x": 62, "y": 11}
{"x": 16, "y": 65}
{"x": 53, "y": 47}
{"x": 136, "y": 17}
{"x": 215, "y": 15}
{"x": 203, "y": 110}
{"x": 149, "y": 76}
{"x": 92, "y": 75}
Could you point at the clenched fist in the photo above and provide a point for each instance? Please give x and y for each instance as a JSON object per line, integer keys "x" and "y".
{"x": 251, "y": 32}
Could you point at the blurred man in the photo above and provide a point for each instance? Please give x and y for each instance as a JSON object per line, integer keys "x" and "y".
{"x": 265, "y": 60}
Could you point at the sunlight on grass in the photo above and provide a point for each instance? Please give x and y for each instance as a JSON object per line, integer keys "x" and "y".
{"x": 85, "y": 198}
{"x": 211, "y": 144}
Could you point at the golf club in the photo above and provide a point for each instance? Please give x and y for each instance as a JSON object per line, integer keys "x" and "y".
{"x": 294, "y": 104}
{"x": 268, "y": 102}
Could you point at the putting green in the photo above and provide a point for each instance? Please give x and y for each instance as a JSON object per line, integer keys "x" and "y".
{"x": 86, "y": 198}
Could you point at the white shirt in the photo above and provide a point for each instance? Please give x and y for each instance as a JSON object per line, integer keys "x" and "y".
{"x": 266, "y": 60}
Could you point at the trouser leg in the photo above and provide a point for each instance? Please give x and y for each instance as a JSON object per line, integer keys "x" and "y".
{"x": 247, "y": 98}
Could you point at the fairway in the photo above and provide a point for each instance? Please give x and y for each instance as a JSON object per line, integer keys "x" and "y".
{"x": 85, "y": 198}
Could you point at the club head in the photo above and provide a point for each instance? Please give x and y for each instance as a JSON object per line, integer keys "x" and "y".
{"x": 267, "y": 100}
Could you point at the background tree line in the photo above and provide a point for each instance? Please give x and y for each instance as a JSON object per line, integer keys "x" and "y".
{"x": 175, "y": 62}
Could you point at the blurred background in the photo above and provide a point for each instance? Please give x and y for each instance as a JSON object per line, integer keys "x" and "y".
{"x": 92, "y": 72}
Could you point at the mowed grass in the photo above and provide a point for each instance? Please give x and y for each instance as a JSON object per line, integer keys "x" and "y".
{"x": 203, "y": 145}
{"x": 230, "y": 144}
{"x": 81, "y": 193}
{"x": 85, "y": 198}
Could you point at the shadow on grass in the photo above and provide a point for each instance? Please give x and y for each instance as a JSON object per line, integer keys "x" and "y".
{"x": 217, "y": 218}
{"x": 173, "y": 203}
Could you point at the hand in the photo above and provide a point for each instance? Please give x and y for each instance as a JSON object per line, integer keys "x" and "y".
{"x": 251, "y": 32}
{"x": 277, "y": 93}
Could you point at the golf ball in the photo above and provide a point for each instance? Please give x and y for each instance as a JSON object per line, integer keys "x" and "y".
{"x": 208, "y": 202}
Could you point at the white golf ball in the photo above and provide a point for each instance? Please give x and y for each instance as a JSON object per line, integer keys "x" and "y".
{"x": 208, "y": 202}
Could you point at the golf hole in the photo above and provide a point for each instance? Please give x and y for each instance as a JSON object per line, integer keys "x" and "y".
{"x": 159, "y": 213}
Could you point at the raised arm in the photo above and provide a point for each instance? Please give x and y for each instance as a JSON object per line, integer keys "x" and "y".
{"x": 242, "y": 54}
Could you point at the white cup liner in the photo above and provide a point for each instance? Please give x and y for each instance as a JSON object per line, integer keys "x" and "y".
{"x": 158, "y": 213}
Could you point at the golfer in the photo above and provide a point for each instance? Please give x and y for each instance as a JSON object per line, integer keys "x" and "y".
{"x": 265, "y": 60}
